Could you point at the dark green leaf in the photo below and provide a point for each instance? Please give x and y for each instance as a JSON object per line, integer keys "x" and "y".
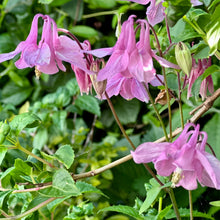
{"x": 127, "y": 111}
{"x": 176, "y": 10}
{"x": 186, "y": 213}
{"x": 88, "y": 103}
{"x": 125, "y": 210}
{"x": 84, "y": 31}
{"x": 14, "y": 94}
{"x": 3, "y": 196}
{"x": 212, "y": 127}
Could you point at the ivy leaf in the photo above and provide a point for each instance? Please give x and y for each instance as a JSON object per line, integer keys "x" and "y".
{"x": 65, "y": 155}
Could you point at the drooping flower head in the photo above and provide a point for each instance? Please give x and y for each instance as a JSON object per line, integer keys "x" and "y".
{"x": 185, "y": 158}
{"x": 130, "y": 63}
{"x": 47, "y": 54}
{"x": 198, "y": 70}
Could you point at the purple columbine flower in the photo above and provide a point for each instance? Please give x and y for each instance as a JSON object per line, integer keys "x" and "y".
{"x": 198, "y": 70}
{"x": 185, "y": 158}
{"x": 48, "y": 54}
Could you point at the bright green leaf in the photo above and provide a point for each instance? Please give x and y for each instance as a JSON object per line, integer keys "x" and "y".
{"x": 45, "y": 1}
{"x": 24, "y": 120}
{"x": 215, "y": 203}
{"x": 84, "y": 31}
{"x": 65, "y": 155}
{"x": 3, "y": 151}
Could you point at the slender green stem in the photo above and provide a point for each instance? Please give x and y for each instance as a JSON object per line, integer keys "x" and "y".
{"x": 41, "y": 205}
{"x": 102, "y": 13}
{"x": 157, "y": 112}
{"x": 33, "y": 155}
{"x": 165, "y": 83}
{"x": 118, "y": 121}
{"x": 190, "y": 204}
{"x": 168, "y": 102}
{"x": 175, "y": 207}
{"x": 160, "y": 204}
{"x": 180, "y": 101}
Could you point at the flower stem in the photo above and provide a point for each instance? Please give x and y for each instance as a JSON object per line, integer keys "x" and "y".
{"x": 156, "y": 111}
{"x": 180, "y": 101}
{"x": 175, "y": 207}
{"x": 168, "y": 30}
{"x": 118, "y": 121}
{"x": 190, "y": 204}
{"x": 165, "y": 83}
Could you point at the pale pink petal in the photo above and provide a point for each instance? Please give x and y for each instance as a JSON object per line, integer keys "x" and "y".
{"x": 155, "y": 13}
{"x": 148, "y": 152}
{"x": 164, "y": 62}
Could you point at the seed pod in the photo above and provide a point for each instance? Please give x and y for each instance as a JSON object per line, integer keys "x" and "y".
{"x": 183, "y": 57}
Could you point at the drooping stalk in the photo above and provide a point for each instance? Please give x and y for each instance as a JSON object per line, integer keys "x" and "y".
{"x": 165, "y": 84}
{"x": 180, "y": 101}
{"x": 157, "y": 112}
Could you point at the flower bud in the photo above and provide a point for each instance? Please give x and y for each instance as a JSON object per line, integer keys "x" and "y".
{"x": 99, "y": 86}
{"x": 183, "y": 57}
{"x": 118, "y": 27}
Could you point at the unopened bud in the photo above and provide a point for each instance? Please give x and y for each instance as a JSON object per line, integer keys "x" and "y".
{"x": 99, "y": 86}
{"x": 183, "y": 57}
{"x": 118, "y": 27}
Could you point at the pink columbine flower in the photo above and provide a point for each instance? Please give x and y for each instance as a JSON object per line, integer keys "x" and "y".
{"x": 185, "y": 158}
{"x": 48, "y": 54}
{"x": 198, "y": 70}
{"x": 155, "y": 12}
{"x": 130, "y": 63}
{"x": 196, "y": 2}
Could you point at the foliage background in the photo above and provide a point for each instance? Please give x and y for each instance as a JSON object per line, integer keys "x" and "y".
{"x": 84, "y": 122}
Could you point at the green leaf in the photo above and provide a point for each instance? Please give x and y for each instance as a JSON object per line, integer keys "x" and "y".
{"x": 24, "y": 120}
{"x": 84, "y": 31}
{"x": 3, "y": 151}
{"x": 182, "y": 31}
{"x": 41, "y": 138}
{"x": 36, "y": 201}
{"x": 6, "y": 43}
{"x": 65, "y": 155}
{"x": 88, "y": 103}
{"x": 88, "y": 188}
{"x": 163, "y": 213}
{"x": 151, "y": 197}
{"x": 127, "y": 111}
{"x": 212, "y": 127}
{"x": 59, "y": 2}
{"x": 23, "y": 167}
{"x": 45, "y": 1}
{"x": 62, "y": 185}
{"x": 186, "y": 213}
{"x": 125, "y": 210}
{"x": 3, "y": 196}
{"x": 101, "y": 4}
{"x": 52, "y": 205}
{"x": 215, "y": 203}
{"x": 176, "y": 10}
{"x": 211, "y": 70}
{"x": 14, "y": 94}
{"x": 73, "y": 8}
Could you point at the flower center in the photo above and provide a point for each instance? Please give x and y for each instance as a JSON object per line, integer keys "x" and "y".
{"x": 176, "y": 177}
